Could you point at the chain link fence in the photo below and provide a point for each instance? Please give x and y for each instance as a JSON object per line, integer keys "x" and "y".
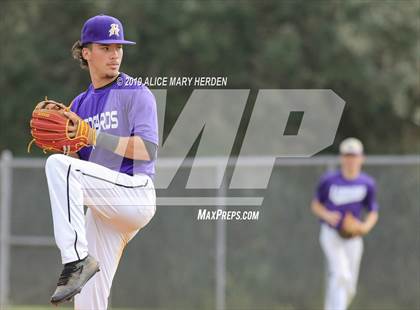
{"x": 179, "y": 262}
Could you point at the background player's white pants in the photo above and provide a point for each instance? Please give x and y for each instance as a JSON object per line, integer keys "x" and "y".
{"x": 343, "y": 258}
{"x": 119, "y": 205}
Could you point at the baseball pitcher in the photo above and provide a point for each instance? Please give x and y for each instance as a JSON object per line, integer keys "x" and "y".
{"x": 340, "y": 199}
{"x": 109, "y": 141}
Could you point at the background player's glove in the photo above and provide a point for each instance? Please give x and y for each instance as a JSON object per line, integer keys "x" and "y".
{"x": 55, "y": 128}
{"x": 350, "y": 226}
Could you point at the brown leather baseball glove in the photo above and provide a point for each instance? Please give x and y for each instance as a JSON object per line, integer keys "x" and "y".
{"x": 53, "y": 130}
{"x": 350, "y": 226}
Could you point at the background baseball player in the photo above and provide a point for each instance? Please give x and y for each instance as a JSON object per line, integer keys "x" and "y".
{"x": 340, "y": 198}
{"x": 112, "y": 176}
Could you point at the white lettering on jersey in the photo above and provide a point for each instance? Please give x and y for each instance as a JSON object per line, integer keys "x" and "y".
{"x": 104, "y": 120}
{"x": 345, "y": 194}
{"x": 114, "y": 119}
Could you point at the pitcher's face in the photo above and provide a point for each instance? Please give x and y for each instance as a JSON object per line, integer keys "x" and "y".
{"x": 104, "y": 59}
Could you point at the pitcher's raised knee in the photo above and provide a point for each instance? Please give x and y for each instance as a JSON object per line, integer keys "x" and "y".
{"x": 55, "y": 161}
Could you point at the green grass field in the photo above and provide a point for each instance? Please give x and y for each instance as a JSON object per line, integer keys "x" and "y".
{"x": 27, "y": 307}
{"x": 36, "y": 307}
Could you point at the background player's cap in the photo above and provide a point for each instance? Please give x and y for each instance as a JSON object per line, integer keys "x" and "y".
{"x": 351, "y": 146}
{"x": 103, "y": 29}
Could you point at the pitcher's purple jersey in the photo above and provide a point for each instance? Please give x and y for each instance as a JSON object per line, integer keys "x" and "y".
{"x": 339, "y": 194}
{"x": 122, "y": 111}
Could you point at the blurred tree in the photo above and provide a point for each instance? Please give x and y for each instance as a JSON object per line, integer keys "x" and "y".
{"x": 366, "y": 51}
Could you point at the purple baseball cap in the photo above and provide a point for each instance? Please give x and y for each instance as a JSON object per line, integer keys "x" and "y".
{"x": 103, "y": 29}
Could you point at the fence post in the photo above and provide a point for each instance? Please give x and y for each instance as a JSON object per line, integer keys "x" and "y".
{"x": 6, "y": 192}
{"x": 220, "y": 267}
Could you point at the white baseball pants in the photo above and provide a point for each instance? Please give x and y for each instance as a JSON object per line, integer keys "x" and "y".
{"x": 119, "y": 205}
{"x": 343, "y": 258}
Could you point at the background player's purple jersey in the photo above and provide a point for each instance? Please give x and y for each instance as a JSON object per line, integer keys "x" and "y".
{"x": 339, "y": 194}
{"x": 122, "y": 111}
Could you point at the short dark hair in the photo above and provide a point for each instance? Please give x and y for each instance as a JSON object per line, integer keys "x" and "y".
{"x": 76, "y": 52}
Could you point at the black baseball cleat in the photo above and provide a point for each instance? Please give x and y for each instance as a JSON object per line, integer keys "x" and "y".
{"x": 74, "y": 276}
